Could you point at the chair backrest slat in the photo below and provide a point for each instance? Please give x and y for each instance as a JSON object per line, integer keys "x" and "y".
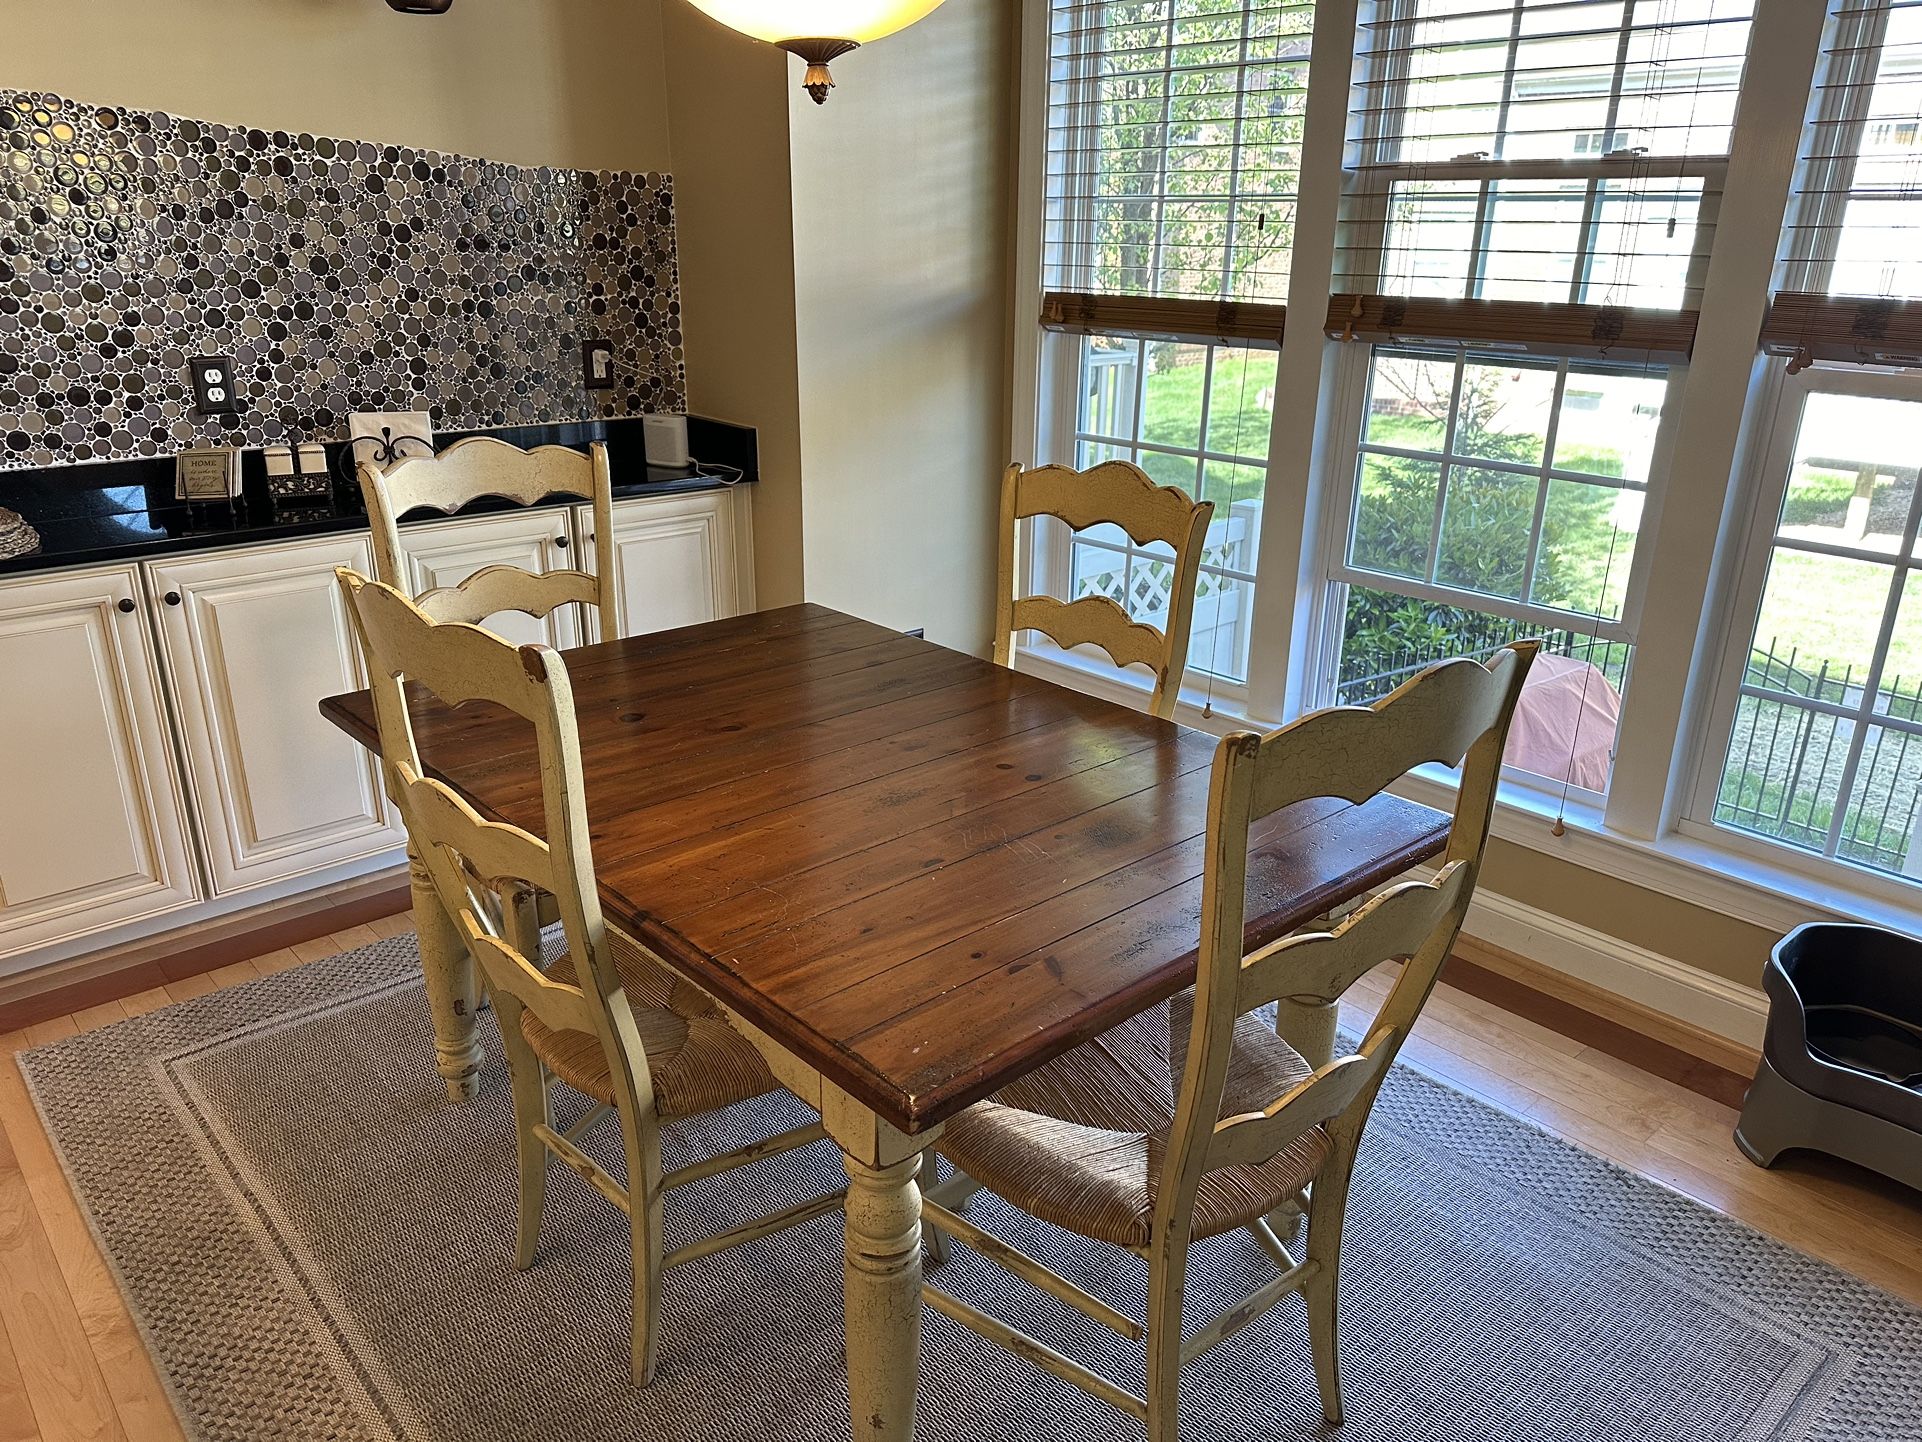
{"x": 1115, "y": 493}
{"x": 483, "y": 466}
{"x": 1457, "y": 714}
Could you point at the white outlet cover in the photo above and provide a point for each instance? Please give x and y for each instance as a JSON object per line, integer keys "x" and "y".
{"x": 413, "y": 432}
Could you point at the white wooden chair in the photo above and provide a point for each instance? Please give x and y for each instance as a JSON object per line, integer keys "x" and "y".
{"x": 604, "y": 1018}
{"x": 1121, "y": 494}
{"x": 482, "y": 466}
{"x": 1195, "y": 1119}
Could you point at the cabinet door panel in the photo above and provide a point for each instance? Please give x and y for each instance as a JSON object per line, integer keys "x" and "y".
{"x": 675, "y": 560}
{"x": 257, "y": 639}
{"x": 445, "y": 554}
{"x": 94, "y": 832}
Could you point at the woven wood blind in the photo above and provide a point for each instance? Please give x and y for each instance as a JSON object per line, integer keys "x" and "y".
{"x": 1560, "y": 159}
{"x": 1207, "y": 322}
{"x": 1528, "y": 327}
{"x": 1174, "y": 147}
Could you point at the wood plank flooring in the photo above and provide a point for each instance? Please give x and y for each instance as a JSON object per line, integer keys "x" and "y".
{"x": 72, "y": 1365}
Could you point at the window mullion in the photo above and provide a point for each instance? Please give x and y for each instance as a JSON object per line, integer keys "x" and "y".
{"x": 1446, "y": 472}
{"x": 1541, "y": 485}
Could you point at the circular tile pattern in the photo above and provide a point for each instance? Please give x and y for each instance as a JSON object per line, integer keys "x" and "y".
{"x": 340, "y": 275}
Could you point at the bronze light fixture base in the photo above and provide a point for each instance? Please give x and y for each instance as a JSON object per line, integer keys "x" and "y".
{"x": 818, "y": 51}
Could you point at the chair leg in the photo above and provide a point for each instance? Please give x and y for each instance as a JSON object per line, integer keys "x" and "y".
{"x": 527, "y": 1079}
{"x": 641, "y": 1134}
{"x": 1327, "y": 1205}
{"x": 1166, "y": 1272}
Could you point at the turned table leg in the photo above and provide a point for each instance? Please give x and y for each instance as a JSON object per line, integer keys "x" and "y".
{"x": 883, "y": 1298}
{"x": 1309, "y": 1028}
{"x": 452, "y": 993}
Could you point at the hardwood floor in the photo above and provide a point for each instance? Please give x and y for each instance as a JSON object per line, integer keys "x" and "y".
{"x": 72, "y": 1365}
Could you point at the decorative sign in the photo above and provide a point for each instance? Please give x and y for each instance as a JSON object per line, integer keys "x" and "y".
{"x": 209, "y": 473}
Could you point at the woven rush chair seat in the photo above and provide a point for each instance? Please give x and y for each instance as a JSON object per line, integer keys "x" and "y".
{"x": 1080, "y": 1142}
{"x": 699, "y": 1063}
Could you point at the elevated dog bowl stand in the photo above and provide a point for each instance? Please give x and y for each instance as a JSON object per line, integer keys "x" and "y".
{"x": 1841, "y": 1065}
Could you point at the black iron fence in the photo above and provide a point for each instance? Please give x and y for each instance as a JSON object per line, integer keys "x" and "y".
{"x": 1369, "y": 672}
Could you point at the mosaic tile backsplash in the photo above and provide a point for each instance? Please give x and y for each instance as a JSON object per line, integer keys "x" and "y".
{"x": 340, "y": 275}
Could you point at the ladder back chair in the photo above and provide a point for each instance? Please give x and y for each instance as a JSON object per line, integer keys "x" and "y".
{"x": 482, "y": 466}
{"x": 606, "y": 1020}
{"x": 1196, "y": 1119}
{"x": 1116, "y": 493}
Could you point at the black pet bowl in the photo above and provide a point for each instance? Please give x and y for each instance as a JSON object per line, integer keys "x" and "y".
{"x": 1842, "y": 1059}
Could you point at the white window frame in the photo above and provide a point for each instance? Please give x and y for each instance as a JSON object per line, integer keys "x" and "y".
{"x": 1763, "y": 488}
{"x": 1338, "y": 521}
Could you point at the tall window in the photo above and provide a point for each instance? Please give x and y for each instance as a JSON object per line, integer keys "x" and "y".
{"x": 1173, "y": 157}
{"x": 1519, "y": 150}
{"x": 1823, "y": 714}
{"x": 1494, "y": 498}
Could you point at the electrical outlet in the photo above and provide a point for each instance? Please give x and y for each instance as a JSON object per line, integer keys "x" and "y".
{"x": 213, "y": 380}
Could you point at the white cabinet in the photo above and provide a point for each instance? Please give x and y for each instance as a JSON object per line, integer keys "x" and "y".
{"x": 254, "y": 639}
{"x": 92, "y": 826}
{"x": 677, "y": 559}
{"x": 447, "y": 553}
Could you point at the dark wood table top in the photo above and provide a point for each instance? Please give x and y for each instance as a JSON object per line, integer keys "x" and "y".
{"x": 923, "y": 873}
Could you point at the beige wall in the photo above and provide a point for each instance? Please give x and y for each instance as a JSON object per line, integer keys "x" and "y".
{"x": 901, "y": 229}
{"x": 727, "y": 108}
{"x": 534, "y": 82}
{"x": 1725, "y": 946}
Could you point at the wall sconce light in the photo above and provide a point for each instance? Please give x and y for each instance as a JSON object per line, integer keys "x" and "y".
{"x": 420, "y": 7}
{"x": 816, "y": 30}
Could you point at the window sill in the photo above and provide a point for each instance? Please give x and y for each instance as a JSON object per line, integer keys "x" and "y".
{"x": 1724, "y": 879}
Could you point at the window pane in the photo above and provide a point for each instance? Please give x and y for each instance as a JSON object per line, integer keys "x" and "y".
{"x": 1219, "y": 637}
{"x": 1109, "y": 368}
{"x": 1409, "y": 398}
{"x": 1486, "y": 523}
{"x": 1179, "y": 471}
{"x": 1431, "y": 237}
{"x": 1534, "y": 232}
{"x": 1819, "y": 622}
{"x": 1587, "y": 544}
{"x": 1235, "y": 531}
{"x": 1503, "y": 412}
{"x": 1241, "y": 406}
{"x": 1644, "y": 238}
{"x": 1171, "y": 396}
{"x": 1853, "y": 480}
{"x": 1784, "y": 771}
{"x": 1395, "y": 515}
{"x": 1100, "y": 572}
{"x": 1608, "y": 422}
{"x": 1898, "y": 691}
{"x": 1879, "y": 828}
{"x": 1565, "y": 723}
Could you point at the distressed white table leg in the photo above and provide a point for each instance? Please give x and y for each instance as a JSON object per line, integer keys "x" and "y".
{"x": 1308, "y": 1028}
{"x": 883, "y": 1298}
{"x": 452, "y": 991}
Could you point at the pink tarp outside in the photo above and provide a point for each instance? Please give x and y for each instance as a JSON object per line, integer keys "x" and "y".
{"x": 1564, "y": 701}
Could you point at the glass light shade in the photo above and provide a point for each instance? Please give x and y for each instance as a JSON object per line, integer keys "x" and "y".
{"x": 778, "y": 20}
{"x": 817, "y": 30}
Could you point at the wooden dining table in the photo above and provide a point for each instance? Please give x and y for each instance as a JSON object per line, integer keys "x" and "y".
{"x": 907, "y": 875}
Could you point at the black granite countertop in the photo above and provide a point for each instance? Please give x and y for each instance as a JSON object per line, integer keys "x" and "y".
{"x": 125, "y": 510}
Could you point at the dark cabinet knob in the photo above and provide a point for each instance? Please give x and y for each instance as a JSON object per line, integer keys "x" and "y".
{"x": 126, "y": 605}
{"x": 560, "y": 543}
{"x": 172, "y": 598}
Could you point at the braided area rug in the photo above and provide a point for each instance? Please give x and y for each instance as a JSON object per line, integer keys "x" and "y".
{"x": 316, "y": 1244}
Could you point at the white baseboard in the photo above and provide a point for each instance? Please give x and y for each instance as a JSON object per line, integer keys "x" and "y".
{"x": 1660, "y": 983}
